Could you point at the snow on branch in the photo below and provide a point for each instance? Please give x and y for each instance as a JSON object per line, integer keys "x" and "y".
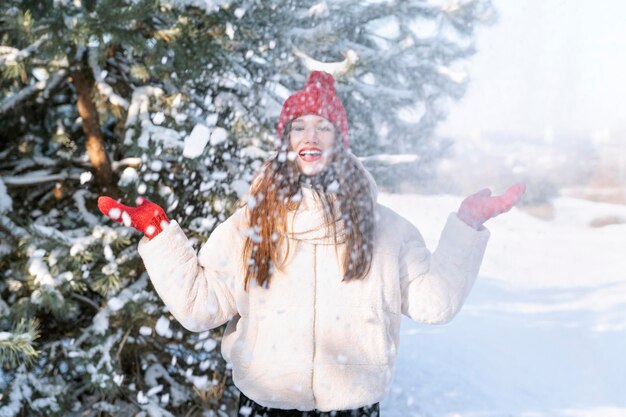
{"x": 126, "y": 162}
{"x": 380, "y": 90}
{"x": 39, "y": 177}
{"x": 315, "y": 32}
{"x": 101, "y": 85}
{"x": 389, "y": 159}
{"x": 17, "y": 346}
{"x": 337, "y": 69}
{"x": 32, "y": 90}
{"x": 11, "y": 56}
{"x": 51, "y": 164}
{"x": 11, "y": 228}
{"x": 457, "y": 77}
{"x": 140, "y": 103}
{"x": 79, "y": 199}
{"x": 6, "y": 203}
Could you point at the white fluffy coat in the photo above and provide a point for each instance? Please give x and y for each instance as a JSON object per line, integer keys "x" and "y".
{"x": 311, "y": 341}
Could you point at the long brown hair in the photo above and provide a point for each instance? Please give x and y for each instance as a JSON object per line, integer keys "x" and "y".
{"x": 342, "y": 188}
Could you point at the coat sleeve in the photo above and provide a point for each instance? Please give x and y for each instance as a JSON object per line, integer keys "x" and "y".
{"x": 435, "y": 286}
{"x": 199, "y": 290}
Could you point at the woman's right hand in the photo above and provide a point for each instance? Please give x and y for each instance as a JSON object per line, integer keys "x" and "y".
{"x": 147, "y": 217}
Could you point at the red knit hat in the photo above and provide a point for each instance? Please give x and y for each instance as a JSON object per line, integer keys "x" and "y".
{"x": 317, "y": 97}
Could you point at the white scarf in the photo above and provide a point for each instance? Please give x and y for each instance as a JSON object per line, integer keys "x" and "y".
{"x": 307, "y": 223}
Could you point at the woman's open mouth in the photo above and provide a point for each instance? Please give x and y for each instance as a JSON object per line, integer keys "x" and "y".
{"x": 310, "y": 154}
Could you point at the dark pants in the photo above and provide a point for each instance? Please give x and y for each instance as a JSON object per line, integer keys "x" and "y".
{"x": 249, "y": 408}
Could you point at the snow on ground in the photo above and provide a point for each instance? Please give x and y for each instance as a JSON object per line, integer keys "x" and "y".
{"x": 543, "y": 333}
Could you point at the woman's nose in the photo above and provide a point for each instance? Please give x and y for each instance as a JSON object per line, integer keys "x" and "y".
{"x": 311, "y": 135}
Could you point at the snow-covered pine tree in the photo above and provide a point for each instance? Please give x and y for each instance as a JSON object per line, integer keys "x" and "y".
{"x": 398, "y": 64}
{"x": 176, "y": 101}
{"x": 83, "y": 330}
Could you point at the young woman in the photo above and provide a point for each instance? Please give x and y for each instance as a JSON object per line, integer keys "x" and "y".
{"x": 311, "y": 274}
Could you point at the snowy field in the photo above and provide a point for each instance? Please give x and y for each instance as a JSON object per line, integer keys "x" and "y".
{"x": 543, "y": 333}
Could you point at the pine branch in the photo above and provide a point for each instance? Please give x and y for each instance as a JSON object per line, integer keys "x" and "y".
{"x": 39, "y": 177}
{"x": 17, "y": 166}
{"x": 12, "y": 102}
{"x": 10, "y": 228}
{"x": 85, "y": 301}
{"x": 134, "y": 162}
{"x": 11, "y": 56}
{"x": 17, "y": 346}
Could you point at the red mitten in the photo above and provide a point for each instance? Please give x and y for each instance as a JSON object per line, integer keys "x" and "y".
{"x": 147, "y": 217}
{"x": 480, "y": 207}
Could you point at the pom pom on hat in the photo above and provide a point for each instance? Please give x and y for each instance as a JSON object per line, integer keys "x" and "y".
{"x": 322, "y": 80}
{"x": 317, "y": 97}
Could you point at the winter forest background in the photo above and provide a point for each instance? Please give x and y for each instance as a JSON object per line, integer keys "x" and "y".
{"x": 177, "y": 100}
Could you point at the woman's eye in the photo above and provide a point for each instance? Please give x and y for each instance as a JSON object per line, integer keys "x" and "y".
{"x": 298, "y": 128}
{"x": 325, "y": 128}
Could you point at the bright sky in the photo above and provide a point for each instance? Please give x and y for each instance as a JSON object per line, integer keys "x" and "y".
{"x": 547, "y": 65}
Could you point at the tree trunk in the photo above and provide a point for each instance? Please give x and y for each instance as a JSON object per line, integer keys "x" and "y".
{"x": 83, "y": 81}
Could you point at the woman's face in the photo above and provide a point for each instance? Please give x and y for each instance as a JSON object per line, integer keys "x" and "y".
{"x": 312, "y": 138}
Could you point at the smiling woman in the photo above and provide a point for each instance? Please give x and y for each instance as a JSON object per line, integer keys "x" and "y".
{"x": 311, "y": 273}
{"x": 312, "y": 138}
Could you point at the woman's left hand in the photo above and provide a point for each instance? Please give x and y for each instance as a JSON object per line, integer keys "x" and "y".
{"x": 480, "y": 207}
